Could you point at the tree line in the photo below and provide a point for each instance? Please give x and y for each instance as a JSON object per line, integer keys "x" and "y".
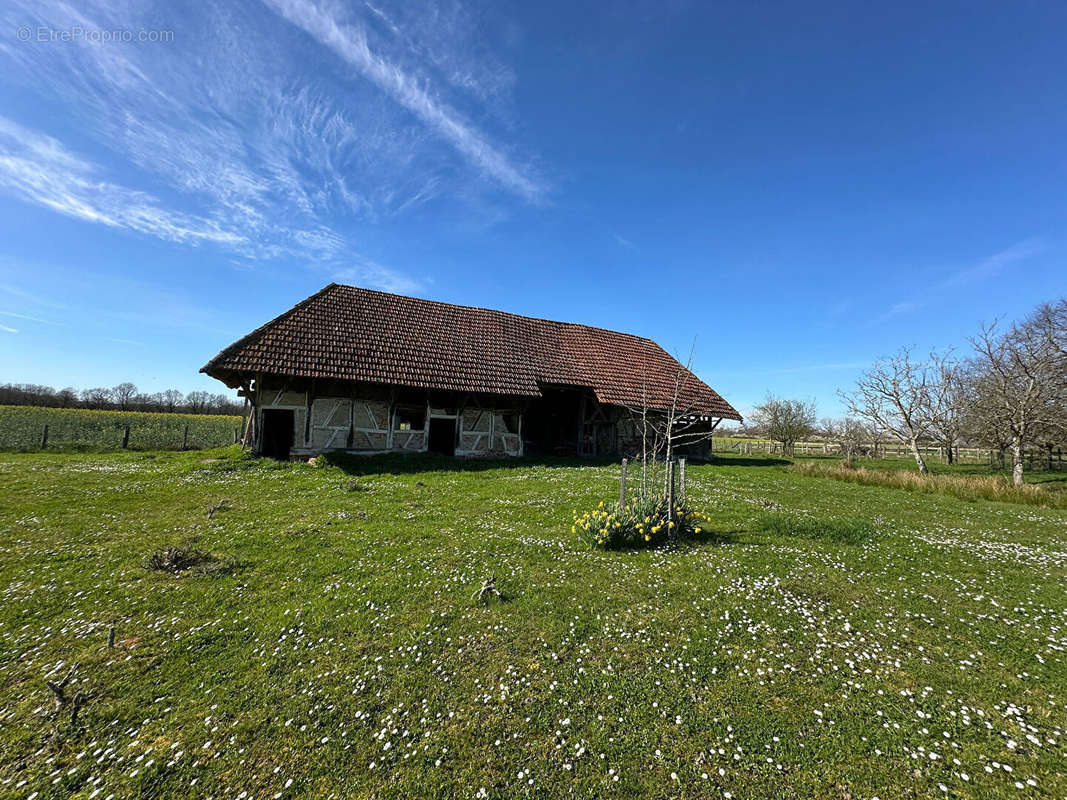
{"x": 123, "y": 397}
{"x": 1009, "y": 395}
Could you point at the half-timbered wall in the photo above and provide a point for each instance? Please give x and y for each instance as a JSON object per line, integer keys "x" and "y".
{"x": 372, "y": 419}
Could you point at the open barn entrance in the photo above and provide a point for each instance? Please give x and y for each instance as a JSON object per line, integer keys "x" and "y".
{"x": 550, "y": 423}
{"x": 442, "y": 436}
{"x": 277, "y": 434}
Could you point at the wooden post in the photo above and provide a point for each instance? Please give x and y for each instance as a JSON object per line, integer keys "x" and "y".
{"x": 235, "y": 430}
{"x": 681, "y": 478}
{"x": 185, "y": 437}
{"x": 44, "y": 438}
{"x": 622, "y": 485}
{"x": 669, "y": 466}
{"x": 125, "y": 437}
{"x": 581, "y": 425}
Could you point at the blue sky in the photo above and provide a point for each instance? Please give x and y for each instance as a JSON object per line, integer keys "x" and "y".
{"x": 801, "y": 187}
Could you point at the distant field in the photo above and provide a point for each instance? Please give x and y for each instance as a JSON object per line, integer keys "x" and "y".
{"x": 828, "y": 640}
{"x": 22, "y": 428}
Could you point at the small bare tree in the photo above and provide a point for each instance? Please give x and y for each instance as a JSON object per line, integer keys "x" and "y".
{"x": 785, "y": 421}
{"x": 849, "y": 434}
{"x": 669, "y": 424}
{"x": 1024, "y": 379}
{"x": 122, "y": 394}
{"x": 171, "y": 399}
{"x": 947, "y": 402}
{"x": 892, "y": 397}
{"x": 197, "y": 401}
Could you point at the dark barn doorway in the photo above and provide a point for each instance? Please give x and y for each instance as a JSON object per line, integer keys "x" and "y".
{"x": 442, "y": 436}
{"x": 550, "y": 423}
{"x": 277, "y": 436}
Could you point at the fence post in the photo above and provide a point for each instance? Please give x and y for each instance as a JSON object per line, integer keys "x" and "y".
{"x": 622, "y": 485}
{"x": 125, "y": 437}
{"x": 44, "y": 438}
{"x": 681, "y": 478}
{"x": 185, "y": 437}
{"x": 235, "y": 435}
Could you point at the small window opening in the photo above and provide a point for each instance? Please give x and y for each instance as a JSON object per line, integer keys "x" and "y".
{"x": 409, "y": 419}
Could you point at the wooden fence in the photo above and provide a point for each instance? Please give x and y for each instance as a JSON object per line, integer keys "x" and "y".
{"x": 963, "y": 455}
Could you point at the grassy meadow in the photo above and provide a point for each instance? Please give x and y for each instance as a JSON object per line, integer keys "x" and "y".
{"x": 825, "y": 638}
{"x": 21, "y": 429}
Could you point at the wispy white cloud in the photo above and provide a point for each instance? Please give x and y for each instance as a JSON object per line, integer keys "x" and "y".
{"x": 368, "y": 273}
{"x": 237, "y": 135}
{"x": 38, "y": 168}
{"x": 349, "y": 41}
{"x": 997, "y": 263}
{"x": 897, "y": 310}
{"x": 16, "y": 291}
{"x": 27, "y": 317}
{"x": 985, "y": 269}
{"x": 7, "y": 329}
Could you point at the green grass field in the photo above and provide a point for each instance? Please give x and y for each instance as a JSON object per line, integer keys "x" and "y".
{"x": 21, "y": 429}
{"x": 827, "y": 639}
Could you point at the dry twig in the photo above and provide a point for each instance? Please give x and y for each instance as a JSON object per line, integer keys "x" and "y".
{"x": 487, "y": 590}
{"x": 59, "y": 688}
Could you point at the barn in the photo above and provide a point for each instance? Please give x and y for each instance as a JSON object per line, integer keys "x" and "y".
{"x": 365, "y": 371}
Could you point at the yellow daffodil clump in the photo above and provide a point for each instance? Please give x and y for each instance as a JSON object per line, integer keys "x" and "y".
{"x": 645, "y": 520}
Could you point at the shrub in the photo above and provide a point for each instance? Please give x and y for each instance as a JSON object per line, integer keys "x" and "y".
{"x": 175, "y": 559}
{"x": 178, "y": 559}
{"x": 846, "y": 530}
{"x": 643, "y": 522}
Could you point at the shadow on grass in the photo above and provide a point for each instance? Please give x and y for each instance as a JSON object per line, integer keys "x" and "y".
{"x": 706, "y": 537}
{"x": 744, "y": 461}
{"x": 1054, "y": 481}
{"x": 397, "y": 464}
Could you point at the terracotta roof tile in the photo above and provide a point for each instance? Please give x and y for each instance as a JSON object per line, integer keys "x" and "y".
{"x": 348, "y": 333}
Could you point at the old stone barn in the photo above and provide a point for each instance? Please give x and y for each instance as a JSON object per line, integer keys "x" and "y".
{"x": 370, "y": 372}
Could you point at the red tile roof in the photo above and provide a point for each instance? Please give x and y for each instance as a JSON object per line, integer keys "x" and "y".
{"x": 348, "y": 333}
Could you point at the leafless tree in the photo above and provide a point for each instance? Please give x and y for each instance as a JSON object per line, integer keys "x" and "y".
{"x": 171, "y": 399}
{"x": 979, "y": 426}
{"x": 849, "y": 434}
{"x": 122, "y": 394}
{"x": 197, "y": 401}
{"x": 892, "y": 397}
{"x": 784, "y": 421}
{"x": 947, "y": 401}
{"x": 96, "y": 398}
{"x": 1024, "y": 379}
{"x": 665, "y": 429}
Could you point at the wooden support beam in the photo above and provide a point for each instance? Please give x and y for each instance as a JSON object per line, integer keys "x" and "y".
{"x": 581, "y": 425}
